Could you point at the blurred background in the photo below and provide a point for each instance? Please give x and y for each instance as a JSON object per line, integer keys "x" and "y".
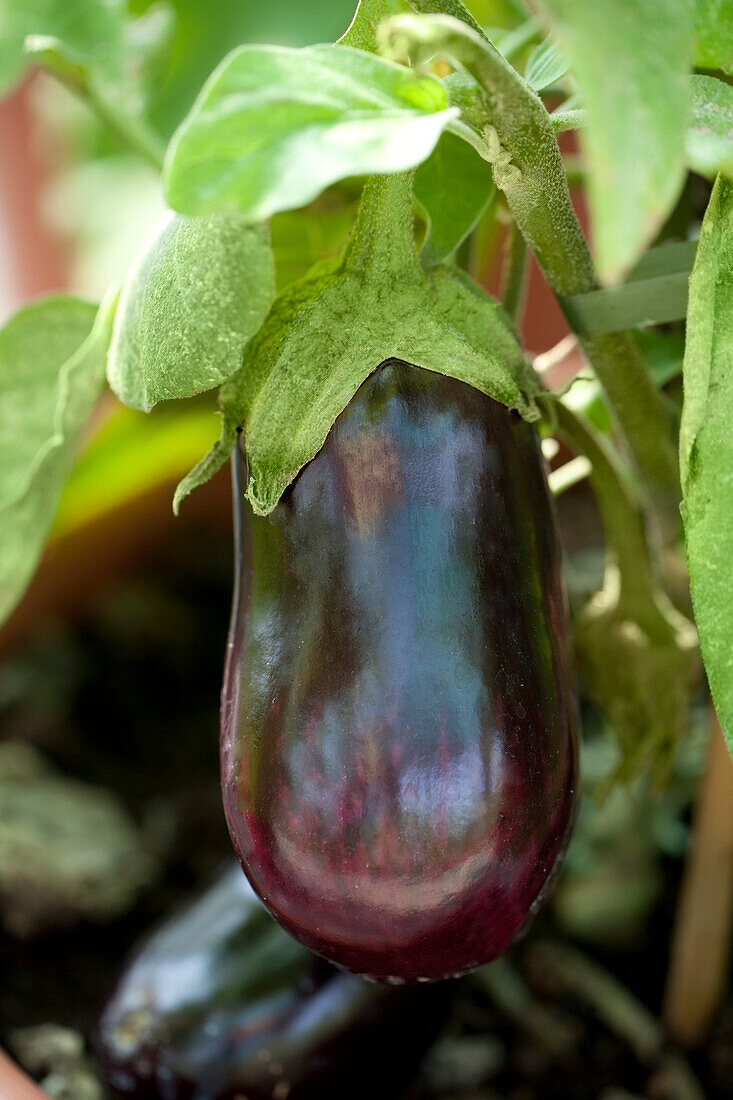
{"x": 111, "y": 665}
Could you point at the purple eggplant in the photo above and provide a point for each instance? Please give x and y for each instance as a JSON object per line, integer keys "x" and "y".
{"x": 398, "y": 746}
{"x": 220, "y": 1002}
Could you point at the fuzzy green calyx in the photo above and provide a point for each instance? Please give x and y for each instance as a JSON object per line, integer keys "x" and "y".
{"x": 327, "y": 333}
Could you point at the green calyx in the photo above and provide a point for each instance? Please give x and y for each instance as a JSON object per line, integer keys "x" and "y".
{"x": 327, "y": 333}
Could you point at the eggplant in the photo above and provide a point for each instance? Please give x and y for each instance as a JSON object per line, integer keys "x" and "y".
{"x": 398, "y": 744}
{"x": 220, "y": 1002}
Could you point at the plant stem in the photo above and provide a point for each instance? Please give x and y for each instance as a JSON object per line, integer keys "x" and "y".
{"x": 504, "y": 985}
{"x": 520, "y": 144}
{"x": 383, "y": 234}
{"x": 619, "y": 1009}
{"x": 513, "y": 292}
{"x": 132, "y": 132}
{"x": 623, "y": 524}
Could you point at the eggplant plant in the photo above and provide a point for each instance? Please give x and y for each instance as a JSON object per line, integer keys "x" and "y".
{"x": 398, "y": 746}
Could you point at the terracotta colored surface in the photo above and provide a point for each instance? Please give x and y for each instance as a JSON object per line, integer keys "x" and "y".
{"x": 35, "y": 261}
{"x": 14, "y": 1084}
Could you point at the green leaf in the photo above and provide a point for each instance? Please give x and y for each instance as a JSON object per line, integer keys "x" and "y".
{"x": 706, "y": 447}
{"x": 630, "y": 62}
{"x": 164, "y": 443}
{"x": 115, "y": 103}
{"x": 710, "y": 137}
{"x": 453, "y": 186}
{"x": 546, "y": 64}
{"x": 362, "y": 32}
{"x": 455, "y": 8}
{"x": 655, "y": 292}
{"x": 714, "y": 34}
{"x": 274, "y": 126}
{"x": 52, "y": 355}
{"x": 90, "y": 30}
{"x": 197, "y": 292}
{"x": 301, "y": 238}
{"x": 148, "y": 46}
{"x": 206, "y": 32}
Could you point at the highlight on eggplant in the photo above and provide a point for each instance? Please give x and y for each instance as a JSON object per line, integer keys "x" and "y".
{"x": 219, "y": 1002}
{"x": 398, "y": 747}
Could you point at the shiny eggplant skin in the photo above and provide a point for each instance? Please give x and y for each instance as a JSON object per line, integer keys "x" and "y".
{"x": 220, "y": 1002}
{"x": 398, "y": 747}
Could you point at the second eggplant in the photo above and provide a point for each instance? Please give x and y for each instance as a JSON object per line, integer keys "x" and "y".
{"x": 220, "y": 1002}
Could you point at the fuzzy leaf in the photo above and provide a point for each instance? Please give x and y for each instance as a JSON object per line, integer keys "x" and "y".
{"x": 546, "y": 64}
{"x": 273, "y": 127}
{"x": 710, "y": 137}
{"x": 714, "y": 34}
{"x": 706, "y": 447}
{"x": 196, "y": 293}
{"x": 362, "y": 32}
{"x": 52, "y": 355}
{"x": 91, "y": 31}
{"x": 453, "y": 186}
{"x": 630, "y": 62}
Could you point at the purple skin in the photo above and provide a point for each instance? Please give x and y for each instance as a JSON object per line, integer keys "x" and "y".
{"x": 398, "y": 751}
{"x": 219, "y": 1003}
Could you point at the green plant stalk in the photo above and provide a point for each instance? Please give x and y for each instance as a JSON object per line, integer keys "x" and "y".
{"x": 383, "y": 237}
{"x": 519, "y": 142}
{"x": 571, "y": 119}
{"x": 514, "y": 290}
{"x": 132, "y": 132}
{"x": 623, "y": 523}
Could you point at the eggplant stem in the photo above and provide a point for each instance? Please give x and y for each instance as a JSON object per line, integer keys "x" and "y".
{"x": 517, "y": 138}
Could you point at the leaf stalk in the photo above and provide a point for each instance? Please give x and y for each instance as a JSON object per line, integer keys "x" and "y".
{"x": 520, "y": 144}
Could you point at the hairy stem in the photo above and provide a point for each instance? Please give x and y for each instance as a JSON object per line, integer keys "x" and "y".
{"x": 623, "y": 524}
{"x": 383, "y": 234}
{"x": 130, "y": 131}
{"x": 520, "y": 144}
{"x": 514, "y": 289}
